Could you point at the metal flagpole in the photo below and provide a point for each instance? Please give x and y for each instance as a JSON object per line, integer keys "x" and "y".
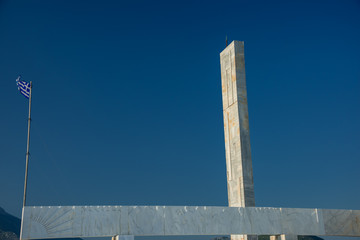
{"x": 27, "y": 163}
{"x": 27, "y": 148}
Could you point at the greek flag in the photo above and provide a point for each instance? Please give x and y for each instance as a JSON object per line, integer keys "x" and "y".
{"x": 23, "y": 87}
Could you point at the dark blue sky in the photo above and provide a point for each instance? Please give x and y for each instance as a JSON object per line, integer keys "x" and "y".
{"x": 127, "y": 101}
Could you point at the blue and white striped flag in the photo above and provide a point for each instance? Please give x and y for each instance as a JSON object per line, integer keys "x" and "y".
{"x": 23, "y": 87}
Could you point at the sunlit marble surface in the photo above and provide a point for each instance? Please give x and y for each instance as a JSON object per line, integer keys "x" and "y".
{"x": 236, "y": 126}
{"x": 108, "y": 221}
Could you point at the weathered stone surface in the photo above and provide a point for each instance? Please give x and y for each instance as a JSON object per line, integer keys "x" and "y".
{"x": 95, "y": 220}
{"x": 146, "y": 220}
{"x": 108, "y": 221}
{"x": 342, "y": 222}
{"x": 302, "y": 221}
{"x": 236, "y": 129}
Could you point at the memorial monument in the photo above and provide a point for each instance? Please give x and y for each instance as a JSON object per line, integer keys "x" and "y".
{"x": 236, "y": 130}
{"x": 241, "y": 220}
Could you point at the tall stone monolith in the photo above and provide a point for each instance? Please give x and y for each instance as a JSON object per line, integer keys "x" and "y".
{"x": 236, "y": 128}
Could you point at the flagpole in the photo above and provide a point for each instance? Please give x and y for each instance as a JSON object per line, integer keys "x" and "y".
{"x": 27, "y": 163}
{"x": 27, "y": 148}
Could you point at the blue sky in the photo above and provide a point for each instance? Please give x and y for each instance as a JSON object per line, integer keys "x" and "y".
{"x": 127, "y": 101}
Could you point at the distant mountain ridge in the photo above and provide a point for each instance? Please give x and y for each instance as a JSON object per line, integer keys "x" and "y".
{"x": 8, "y": 236}
{"x": 9, "y": 223}
{"x": 10, "y": 227}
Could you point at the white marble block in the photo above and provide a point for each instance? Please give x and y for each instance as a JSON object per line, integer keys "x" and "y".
{"x": 109, "y": 221}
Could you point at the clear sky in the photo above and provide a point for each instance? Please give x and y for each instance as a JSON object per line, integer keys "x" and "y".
{"x": 127, "y": 106}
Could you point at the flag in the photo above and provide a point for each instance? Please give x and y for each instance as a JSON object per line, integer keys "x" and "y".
{"x": 23, "y": 87}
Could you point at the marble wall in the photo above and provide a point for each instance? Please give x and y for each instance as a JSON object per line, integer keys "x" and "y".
{"x": 108, "y": 221}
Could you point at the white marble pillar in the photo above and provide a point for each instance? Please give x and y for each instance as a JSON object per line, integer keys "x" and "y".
{"x": 284, "y": 237}
{"x": 274, "y": 237}
{"x": 236, "y": 129}
{"x": 123, "y": 237}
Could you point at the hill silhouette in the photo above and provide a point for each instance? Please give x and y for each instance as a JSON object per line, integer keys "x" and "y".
{"x": 9, "y": 223}
{"x": 10, "y": 227}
